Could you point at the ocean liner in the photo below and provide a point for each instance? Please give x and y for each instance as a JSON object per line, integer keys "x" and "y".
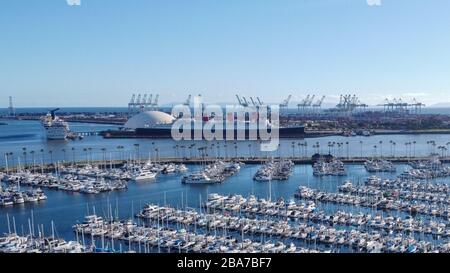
{"x": 157, "y": 124}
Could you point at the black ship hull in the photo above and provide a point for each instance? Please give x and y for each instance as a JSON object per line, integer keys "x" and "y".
{"x": 284, "y": 132}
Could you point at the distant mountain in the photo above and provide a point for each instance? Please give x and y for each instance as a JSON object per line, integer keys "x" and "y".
{"x": 441, "y": 105}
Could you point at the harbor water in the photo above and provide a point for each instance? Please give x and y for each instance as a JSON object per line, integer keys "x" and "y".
{"x": 19, "y": 136}
{"x": 65, "y": 208}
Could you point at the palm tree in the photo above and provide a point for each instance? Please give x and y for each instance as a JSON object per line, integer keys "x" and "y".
{"x": 153, "y": 147}
{"x": 24, "y": 157}
{"x": 6, "y": 163}
{"x": 177, "y": 154}
{"x": 64, "y": 154}
{"x": 42, "y": 158}
{"x": 226, "y": 150}
{"x": 348, "y": 151}
{"x": 73, "y": 155}
{"x": 104, "y": 156}
{"x": 51, "y": 156}
{"x": 381, "y": 148}
{"x": 189, "y": 151}
{"x": 361, "y": 145}
{"x": 24, "y": 161}
{"x": 32, "y": 159}
{"x": 120, "y": 150}
{"x": 136, "y": 147}
{"x": 390, "y": 147}
{"x": 86, "y": 152}
{"x": 90, "y": 154}
{"x": 218, "y": 149}
{"x": 12, "y": 159}
{"x": 293, "y": 149}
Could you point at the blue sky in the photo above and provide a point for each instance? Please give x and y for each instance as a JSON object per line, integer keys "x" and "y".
{"x": 99, "y": 53}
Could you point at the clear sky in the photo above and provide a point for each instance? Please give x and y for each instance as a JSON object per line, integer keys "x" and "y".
{"x": 102, "y": 51}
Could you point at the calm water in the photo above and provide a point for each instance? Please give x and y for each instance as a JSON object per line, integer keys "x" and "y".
{"x": 17, "y": 135}
{"x": 65, "y": 209}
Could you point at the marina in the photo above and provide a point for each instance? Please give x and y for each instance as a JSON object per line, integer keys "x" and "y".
{"x": 219, "y": 136}
{"x": 160, "y": 195}
{"x": 334, "y": 167}
{"x": 14, "y": 196}
{"x": 379, "y": 214}
{"x": 274, "y": 170}
{"x": 379, "y": 165}
{"x": 216, "y": 172}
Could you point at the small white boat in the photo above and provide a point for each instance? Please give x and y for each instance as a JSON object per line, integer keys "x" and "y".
{"x": 145, "y": 176}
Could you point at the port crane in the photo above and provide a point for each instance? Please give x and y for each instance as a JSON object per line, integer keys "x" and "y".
{"x": 188, "y": 101}
{"x": 285, "y": 103}
{"x": 305, "y": 104}
{"x": 149, "y": 102}
{"x": 155, "y": 102}
{"x": 259, "y": 101}
{"x": 242, "y": 101}
{"x": 399, "y": 106}
{"x": 417, "y": 106}
{"x": 318, "y": 104}
{"x": 348, "y": 103}
{"x": 140, "y": 103}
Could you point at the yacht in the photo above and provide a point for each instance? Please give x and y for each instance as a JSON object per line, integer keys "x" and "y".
{"x": 6, "y": 202}
{"x": 379, "y": 165}
{"x": 182, "y": 168}
{"x": 274, "y": 170}
{"x": 169, "y": 168}
{"x": 18, "y": 198}
{"x": 197, "y": 178}
{"x": 54, "y": 127}
{"x": 145, "y": 176}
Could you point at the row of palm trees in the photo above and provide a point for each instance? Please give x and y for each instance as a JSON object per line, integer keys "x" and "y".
{"x": 28, "y": 158}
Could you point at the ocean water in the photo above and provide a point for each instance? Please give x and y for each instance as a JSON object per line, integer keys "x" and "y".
{"x": 65, "y": 209}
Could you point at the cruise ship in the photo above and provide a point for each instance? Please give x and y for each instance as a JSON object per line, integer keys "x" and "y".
{"x": 54, "y": 127}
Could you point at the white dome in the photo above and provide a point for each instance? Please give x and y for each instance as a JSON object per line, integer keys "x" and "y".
{"x": 149, "y": 119}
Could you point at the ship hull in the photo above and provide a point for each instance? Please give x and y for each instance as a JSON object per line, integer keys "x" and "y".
{"x": 285, "y": 132}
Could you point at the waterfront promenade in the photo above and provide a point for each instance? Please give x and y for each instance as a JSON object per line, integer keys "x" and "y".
{"x": 206, "y": 160}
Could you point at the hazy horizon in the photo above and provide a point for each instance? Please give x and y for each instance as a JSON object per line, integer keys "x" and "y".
{"x": 101, "y": 52}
